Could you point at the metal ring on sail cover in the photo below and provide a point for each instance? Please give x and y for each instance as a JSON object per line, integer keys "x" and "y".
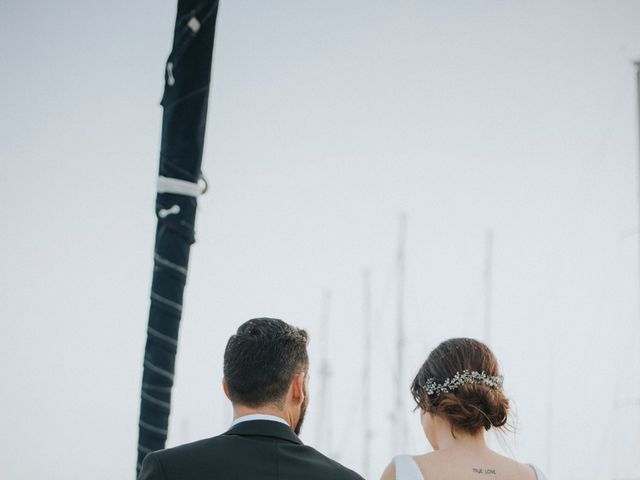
{"x": 203, "y": 179}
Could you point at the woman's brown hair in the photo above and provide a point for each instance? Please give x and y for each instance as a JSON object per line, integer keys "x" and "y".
{"x": 472, "y": 406}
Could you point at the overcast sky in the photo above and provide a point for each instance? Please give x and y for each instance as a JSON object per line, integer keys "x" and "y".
{"x": 327, "y": 120}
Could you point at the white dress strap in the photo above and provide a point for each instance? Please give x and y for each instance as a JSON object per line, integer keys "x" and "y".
{"x": 407, "y": 468}
{"x": 539, "y": 474}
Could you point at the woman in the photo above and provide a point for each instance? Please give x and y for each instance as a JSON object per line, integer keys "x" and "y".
{"x": 459, "y": 393}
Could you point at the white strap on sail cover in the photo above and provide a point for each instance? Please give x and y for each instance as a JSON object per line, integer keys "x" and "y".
{"x": 180, "y": 187}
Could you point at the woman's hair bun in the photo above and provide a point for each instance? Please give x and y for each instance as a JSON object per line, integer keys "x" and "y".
{"x": 472, "y": 405}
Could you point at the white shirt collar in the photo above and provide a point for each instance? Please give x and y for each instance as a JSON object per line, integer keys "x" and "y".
{"x": 258, "y": 416}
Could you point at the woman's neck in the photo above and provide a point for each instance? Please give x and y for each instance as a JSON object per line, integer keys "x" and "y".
{"x": 464, "y": 441}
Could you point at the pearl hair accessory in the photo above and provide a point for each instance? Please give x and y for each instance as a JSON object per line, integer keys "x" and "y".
{"x": 433, "y": 387}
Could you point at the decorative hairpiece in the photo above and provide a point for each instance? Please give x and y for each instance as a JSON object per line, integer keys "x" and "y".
{"x": 433, "y": 387}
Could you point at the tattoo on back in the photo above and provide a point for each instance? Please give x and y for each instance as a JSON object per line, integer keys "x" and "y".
{"x": 484, "y": 471}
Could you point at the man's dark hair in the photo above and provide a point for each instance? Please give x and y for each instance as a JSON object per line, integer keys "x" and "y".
{"x": 261, "y": 359}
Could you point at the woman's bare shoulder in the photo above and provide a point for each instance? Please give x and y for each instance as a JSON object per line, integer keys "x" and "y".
{"x": 441, "y": 461}
{"x": 515, "y": 469}
{"x": 389, "y": 472}
{"x": 433, "y": 460}
{"x": 435, "y": 456}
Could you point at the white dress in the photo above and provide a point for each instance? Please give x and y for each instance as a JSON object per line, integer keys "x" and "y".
{"x": 407, "y": 469}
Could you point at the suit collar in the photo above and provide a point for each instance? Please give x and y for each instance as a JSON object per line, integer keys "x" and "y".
{"x": 258, "y": 416}
{"x": 264, "y": 428}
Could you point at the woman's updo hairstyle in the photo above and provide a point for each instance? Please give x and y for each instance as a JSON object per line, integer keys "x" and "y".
{"x": 471, "y": 406}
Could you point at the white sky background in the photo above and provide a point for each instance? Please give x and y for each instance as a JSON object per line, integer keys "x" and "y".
{"x": 327, "y": 119}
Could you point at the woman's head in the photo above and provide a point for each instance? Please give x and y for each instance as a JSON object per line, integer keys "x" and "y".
{"x": 461, "y": 384}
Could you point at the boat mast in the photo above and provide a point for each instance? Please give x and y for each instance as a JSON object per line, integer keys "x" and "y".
{"x": 637, "y": 65}
{"x": 551, "y": 397}
{"x": 400, "y": 424}
{"x": 323, "y": 433}
{"x": 180, "y": 182}
{"x": 366, "y": 373}
{"x": 488, "y": 284}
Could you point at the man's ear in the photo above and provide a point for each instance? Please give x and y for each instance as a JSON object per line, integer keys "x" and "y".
{"x": 297, "y": 387}
{"x": 225, "y": 388}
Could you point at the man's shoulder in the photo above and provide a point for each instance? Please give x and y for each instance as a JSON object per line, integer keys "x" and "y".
{"x": 189, "y": 449}
{"x": 334, "y": 469}
{"x": 224, "y": 452}
{"x": 173, "y": 462}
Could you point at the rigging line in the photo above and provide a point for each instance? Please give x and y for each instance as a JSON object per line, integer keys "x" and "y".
{"x": 384, "y": 310}
{"x": 162, "y": 336}
{"x": 603, "y": 293}
{"x": 381, "y": 319}
{"x": 158, "y": 370}
{"x": 151, "y": 428}
{"x": 156, "y": 401}
{"x": 191, "y": 94}
{"x": 475, "y": 301}
{"x": 144, "y": 449}
{"x": 165, "y": 301}
{"x": 346, "y": 438}
{"x": 599, "y": 149}
{"x": 584, "y": 188}
{"x": 154, "y": 388}
{"x": 335, "y": 316}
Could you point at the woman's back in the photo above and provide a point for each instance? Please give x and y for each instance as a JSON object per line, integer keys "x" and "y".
{"x": 451, "y": 464}
{"x": 458, "y": 390}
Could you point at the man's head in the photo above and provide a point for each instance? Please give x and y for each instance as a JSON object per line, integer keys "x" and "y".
{"x": 265, "y": 368}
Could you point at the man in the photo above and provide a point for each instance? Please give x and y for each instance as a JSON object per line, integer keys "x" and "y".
{"x": 265, "y": 371}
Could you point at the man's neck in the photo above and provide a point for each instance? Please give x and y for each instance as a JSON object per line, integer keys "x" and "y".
{"x": 243, "y": 411}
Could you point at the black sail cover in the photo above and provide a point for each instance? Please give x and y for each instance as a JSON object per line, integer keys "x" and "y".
{"x": 185, "y": 99}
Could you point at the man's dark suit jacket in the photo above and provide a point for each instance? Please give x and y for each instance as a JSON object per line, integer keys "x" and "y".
{"x": 251, "y": 450}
